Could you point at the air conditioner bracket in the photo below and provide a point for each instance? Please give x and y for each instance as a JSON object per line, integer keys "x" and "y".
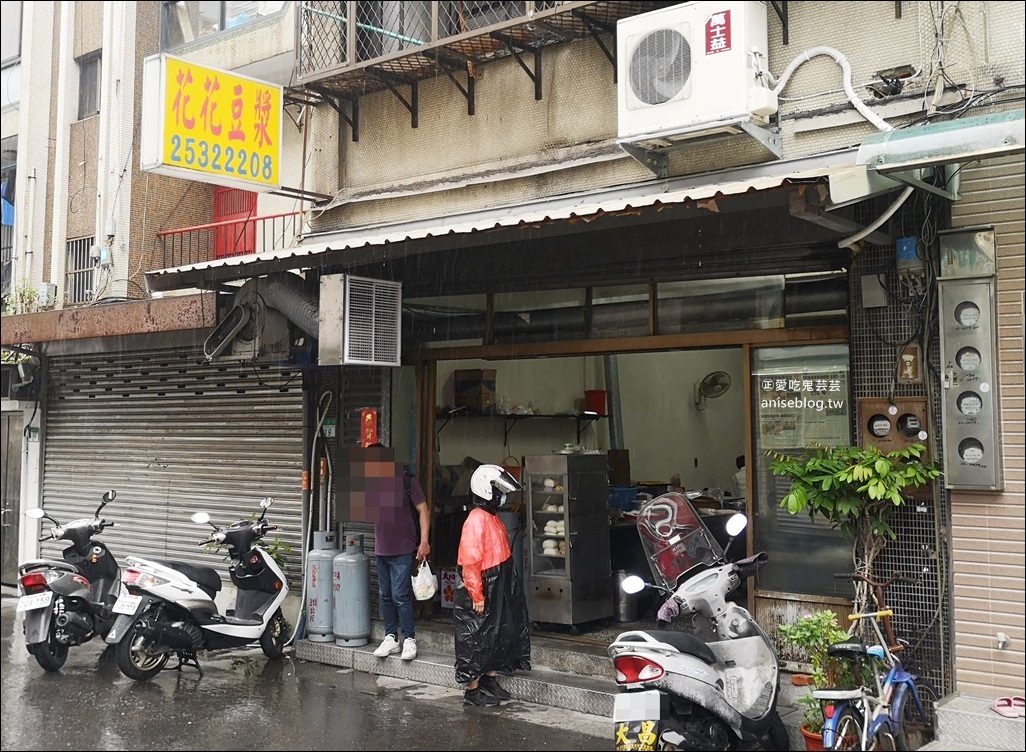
{"x": 657, "y": 158}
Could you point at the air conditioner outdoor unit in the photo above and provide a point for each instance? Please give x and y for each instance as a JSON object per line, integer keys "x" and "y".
{"x": 690, "y": 70}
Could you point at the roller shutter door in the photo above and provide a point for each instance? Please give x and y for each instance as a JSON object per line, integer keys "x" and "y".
{"x": 174, "y": 434}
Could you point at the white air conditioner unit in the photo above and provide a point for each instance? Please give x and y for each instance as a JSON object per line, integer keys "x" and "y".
{"x": 359, "y": 321}
{"x": 690, "y": 70}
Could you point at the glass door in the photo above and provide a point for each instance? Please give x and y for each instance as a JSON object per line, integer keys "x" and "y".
{"x": 800, "y": 395}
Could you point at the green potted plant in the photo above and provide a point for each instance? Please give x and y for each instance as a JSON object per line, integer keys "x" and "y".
{"x": 856, "y": 490}
{"x": 813, "y": 634}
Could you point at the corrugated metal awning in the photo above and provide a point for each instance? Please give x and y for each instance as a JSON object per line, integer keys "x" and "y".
{"x": 898, "y": 154}
{"x": 581, "y": 207}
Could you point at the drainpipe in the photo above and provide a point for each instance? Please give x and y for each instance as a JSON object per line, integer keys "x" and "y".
{"x": 615, "y": 419}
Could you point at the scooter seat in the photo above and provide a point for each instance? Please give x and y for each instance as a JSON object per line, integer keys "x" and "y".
{"x": 207, "y": 579}
{"x": 685, "y": 643}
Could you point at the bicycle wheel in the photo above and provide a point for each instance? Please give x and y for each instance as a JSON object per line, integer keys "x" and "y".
{"x": 917, "y": 731}
{"x": 887, "y": 739}
{"x": 848, "y": 734}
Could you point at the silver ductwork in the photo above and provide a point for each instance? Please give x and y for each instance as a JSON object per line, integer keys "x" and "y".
{"x": 284, "y": 292}
{"x": 254, "y": 324}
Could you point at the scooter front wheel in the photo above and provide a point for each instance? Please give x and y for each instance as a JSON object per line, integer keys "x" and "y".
{"x": 135, "y": 658}
{"x": 274, "y": 636}
{"x": 776, "y": 737}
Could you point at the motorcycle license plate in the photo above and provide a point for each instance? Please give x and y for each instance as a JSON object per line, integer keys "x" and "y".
{"x": 127, "y": 604}
{"x": 636, "y": 718}
{"x": 32, "y": 602}
{"x": 636, "y": 736}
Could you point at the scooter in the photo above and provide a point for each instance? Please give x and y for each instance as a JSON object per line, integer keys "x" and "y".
{"x": 169, "y": 608}
{"x": 67, "y": 603}
{"x": 715, "y": 688}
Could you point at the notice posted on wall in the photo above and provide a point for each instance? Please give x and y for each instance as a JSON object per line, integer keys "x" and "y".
{"x": 801, "y": 403}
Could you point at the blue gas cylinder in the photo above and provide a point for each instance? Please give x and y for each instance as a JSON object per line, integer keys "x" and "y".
{"x": 319, "y": 595}
{"x": 351, "y": 587}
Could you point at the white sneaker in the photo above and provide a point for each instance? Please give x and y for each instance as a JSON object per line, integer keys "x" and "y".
{"x": 388, "y": 646}
{"x": 409, "y": 649}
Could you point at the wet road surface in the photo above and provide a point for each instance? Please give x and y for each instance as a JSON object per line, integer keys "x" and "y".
{"x": 245, "y": 702}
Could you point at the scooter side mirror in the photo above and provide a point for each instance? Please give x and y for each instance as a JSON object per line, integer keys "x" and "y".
{"x": 108, "y": 497}
{"x": 36, "y": 514}
{"x": 736, "y": 524}
{"x": 632, "y": 584}
{"x": 200, "y": 518}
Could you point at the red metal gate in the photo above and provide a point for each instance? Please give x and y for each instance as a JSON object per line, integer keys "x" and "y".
{"x": 236, "y": 208}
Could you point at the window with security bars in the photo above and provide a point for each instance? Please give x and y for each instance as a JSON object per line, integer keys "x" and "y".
{"x": 78, "y": 276}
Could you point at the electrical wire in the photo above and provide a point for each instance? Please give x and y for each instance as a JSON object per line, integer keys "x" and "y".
{"x": 307, "y": 515}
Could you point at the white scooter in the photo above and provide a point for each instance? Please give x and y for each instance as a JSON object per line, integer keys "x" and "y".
{"x": 170, "y": 610}
{"x": 715, "y": 689}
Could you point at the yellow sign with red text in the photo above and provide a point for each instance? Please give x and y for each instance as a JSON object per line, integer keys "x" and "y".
{"x": 210, "y": 125}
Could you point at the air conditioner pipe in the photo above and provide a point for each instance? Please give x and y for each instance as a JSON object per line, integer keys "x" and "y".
{"x": 842, "y": 61}
{"x": 799, "y": 296}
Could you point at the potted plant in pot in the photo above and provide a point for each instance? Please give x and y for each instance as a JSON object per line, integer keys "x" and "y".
{"x": 857, "y": 490}
{"x": 813, "y": 634}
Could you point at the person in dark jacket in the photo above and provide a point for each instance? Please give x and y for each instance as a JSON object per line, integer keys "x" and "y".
{"x": 492, "y": 628}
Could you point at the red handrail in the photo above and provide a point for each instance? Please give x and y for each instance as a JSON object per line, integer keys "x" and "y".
{"x": 224, "y": 223}
{"x": 228, "y": 238}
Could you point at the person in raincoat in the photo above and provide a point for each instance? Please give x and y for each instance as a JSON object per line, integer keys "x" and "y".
{"x": 492, "y": 628}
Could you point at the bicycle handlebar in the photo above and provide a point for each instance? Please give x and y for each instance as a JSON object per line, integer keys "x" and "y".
{"x": 856, "y": 577}
{"x": 871, "y": 615}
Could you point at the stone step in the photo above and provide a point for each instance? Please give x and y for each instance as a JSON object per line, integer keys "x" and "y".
{"x": 969, "y": 723}
{"x": 559, "y": 689}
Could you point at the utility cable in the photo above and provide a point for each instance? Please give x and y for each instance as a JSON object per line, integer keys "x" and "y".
{"x": 307, "y": 516}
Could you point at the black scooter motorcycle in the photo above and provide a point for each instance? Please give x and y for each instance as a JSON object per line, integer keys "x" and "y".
{"x": 67, "y": 603}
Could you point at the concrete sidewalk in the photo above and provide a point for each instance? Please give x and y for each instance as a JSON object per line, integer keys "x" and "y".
{"x": 570, "y": 672}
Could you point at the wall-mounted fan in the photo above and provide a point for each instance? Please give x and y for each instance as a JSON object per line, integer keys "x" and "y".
{"x": 712, "y": 386}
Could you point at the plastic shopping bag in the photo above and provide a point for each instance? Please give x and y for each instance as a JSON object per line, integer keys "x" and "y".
{"x": 424, "y": 584}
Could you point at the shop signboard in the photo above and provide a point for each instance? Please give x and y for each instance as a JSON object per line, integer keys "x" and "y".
{"x": 210, "y": 125}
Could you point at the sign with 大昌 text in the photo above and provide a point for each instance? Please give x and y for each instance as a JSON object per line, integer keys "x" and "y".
{"x": 210, "y": 125}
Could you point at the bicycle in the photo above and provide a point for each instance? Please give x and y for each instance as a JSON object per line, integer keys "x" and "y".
{"x": 874, "y": 714}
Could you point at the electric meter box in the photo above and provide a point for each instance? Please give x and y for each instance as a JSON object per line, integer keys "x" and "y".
{"x": 894, "y": 424}
{"x": 969, "y": 384}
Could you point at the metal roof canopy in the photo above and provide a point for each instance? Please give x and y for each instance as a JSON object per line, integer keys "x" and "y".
{"x": 559, "y": 215}
{"x": 899, "y": 153}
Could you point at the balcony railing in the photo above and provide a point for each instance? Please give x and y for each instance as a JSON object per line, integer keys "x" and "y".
{"x": 345, "y": 49}
{"x": 232, "y": 237}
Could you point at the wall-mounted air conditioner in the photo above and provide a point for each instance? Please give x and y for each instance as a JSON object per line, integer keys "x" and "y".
{"x": 690, "y": 70}
{"x": 359, "y": 321}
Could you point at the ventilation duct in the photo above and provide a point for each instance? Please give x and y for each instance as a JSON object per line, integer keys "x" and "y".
{"x": 256, "y": 325}
{"x": 359, "y": 321}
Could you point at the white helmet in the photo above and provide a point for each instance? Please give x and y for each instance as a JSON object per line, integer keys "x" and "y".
{"x": 492, "y": 483}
